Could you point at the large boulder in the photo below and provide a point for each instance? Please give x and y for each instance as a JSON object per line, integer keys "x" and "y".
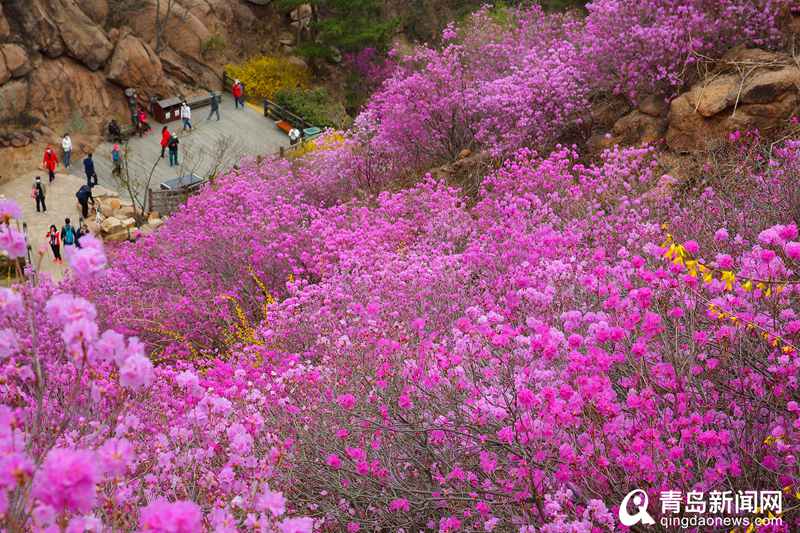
{"x": 634, "y": 129}
{"x": 34, "y": 21}
{"x": 761, "y": 96}
{"x": 16, "y": 60}
{"x": 184, "y": 32}
{"x": 84, "y": 40}
{"x": 13, "y": 100}
{"x": 5, "y": 75}
{"x": 5, "y": 30}
{"x": 64, "y": 92}
{"x": 97, "y": 10}
{"x": 135, "y": 64}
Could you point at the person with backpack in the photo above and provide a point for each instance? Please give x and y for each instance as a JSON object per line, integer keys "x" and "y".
{"x": 173, "y": 150}
{"x": 54, "y": 239}
{"x": 165, "y": 136}
{"x": 38, "y": 193}
{"x": 238, "y": 94}
{"x": 49, "y": 162}
{"x": 67, "y": 236}
{"x": 186, "y": 116}
{"x": 214, "y": 106}
{"x": 83, "y": 195}
{"x": 116, "y": 161}
{"x": 66, "y": 147}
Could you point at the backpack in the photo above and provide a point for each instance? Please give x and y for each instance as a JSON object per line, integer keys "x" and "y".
{"x": 69, "y": 235}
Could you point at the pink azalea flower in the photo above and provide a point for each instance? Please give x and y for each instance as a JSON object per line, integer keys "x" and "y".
{"x": 162, "y": 516}
{"x": 274, "y": 502}
{"x": 67, "y": 480}
{"x": 296, "y": 525}
{"x": 136, "y": 372}
{"x": 12, "y": 242}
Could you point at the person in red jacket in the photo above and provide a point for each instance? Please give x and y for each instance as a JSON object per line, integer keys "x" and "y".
{"x": 49, "y": 161}
{"x": 165, "y": 137}
{"x": 238, "y": 93}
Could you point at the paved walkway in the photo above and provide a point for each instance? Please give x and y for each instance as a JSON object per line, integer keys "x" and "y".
{"x": 61, "y": 203}
{"x": 212, "y": 145}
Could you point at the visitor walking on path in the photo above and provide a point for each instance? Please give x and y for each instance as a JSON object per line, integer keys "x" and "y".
{"x": 214, "y": 106}
{"x": 67, "y": 237}
{"x": 54, "y": 239}
{"x": 238, "y": 94}
{"x": 165, "y": 135}
{"x": 39, "y": 193}
{"x": 186, "y": 116}
{"x": 49, "y": 162}
{"x": 116, "y": 161}
{"x": 83, "y": 195}
{"x": 88, "y": 168}
{"x": 173, "y": 151}
{"x": 66, "y": 147}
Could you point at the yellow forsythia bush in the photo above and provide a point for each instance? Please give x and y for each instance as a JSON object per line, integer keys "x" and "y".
{"x": 326, "y": 141}
{"x": 263, "y": 76}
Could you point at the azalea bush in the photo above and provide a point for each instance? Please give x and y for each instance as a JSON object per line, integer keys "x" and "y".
{"x": 347, "y": 354}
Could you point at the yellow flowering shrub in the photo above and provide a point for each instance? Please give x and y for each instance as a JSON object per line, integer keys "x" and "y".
{"x": 263, "y": 76}
{"x": 326, "y": 141}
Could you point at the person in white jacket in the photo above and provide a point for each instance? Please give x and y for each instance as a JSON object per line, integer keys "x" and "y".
{"x": 186, "y": 115}
{"x": 66, "y": 146}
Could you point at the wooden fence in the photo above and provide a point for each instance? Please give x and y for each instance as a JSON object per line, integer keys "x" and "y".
{"x": 167, "y": 202}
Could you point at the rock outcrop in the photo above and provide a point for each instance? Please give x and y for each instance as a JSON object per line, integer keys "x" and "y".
{"x": 135, "y": 64}
{"x": 748, "y": 89}
{"x": 751, "y": 89}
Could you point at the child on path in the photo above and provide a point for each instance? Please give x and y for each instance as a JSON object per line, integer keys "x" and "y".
{"x": 173, "y": 151}
{"x": 49, "y": 162}
{"x": 165, "y": 135}
{"x": 186, "y": 116}
{"x": 66, "y": 147}
{"x": 39, "y": 193}
{"x": 54, "y": 238}
{"x": 116, "y": 160}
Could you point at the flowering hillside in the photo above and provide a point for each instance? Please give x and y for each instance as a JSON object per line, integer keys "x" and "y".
{"x": 342, "y": 354}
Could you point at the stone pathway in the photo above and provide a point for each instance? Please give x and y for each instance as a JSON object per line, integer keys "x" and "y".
{"x": 61, "y": 203}
{"x": 212, "y": 144}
